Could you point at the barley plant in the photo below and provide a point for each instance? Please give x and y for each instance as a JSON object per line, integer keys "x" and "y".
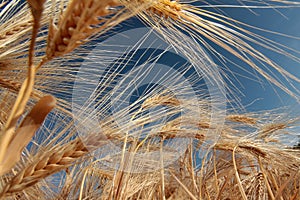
{"x": 136, "y": 99}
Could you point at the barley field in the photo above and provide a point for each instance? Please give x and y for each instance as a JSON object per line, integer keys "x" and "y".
{"x": 143, "y": 99}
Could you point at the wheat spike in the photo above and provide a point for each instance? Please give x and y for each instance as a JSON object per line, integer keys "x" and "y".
{"x": 160, "y": 99}
{"x": 241, "y": 119}
{"x": 55, "y": 159}
{"x": 75, "y": 26}
{"x": 46, "y": 164}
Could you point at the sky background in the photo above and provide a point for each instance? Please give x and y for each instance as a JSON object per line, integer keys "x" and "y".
{"x": 256, "y": 93}
{"x": 285, "y": 21}
{"x": 262, "y": 95}
{"x": 265, "y": 96}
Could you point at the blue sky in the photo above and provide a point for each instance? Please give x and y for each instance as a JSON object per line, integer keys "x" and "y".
{"x": 264, "y": 95}
{"x": 285, "y": 21}
{"x": 259, "y": 94}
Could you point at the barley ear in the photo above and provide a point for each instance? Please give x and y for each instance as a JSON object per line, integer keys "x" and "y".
{"x": 25, "y": 132}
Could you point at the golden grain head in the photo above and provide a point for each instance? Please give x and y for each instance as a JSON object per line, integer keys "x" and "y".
{"x": 75, "y": 25}
{"x": 242, "y": 119}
